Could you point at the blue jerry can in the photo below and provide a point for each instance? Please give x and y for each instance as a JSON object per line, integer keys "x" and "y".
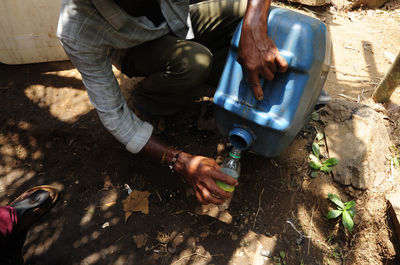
{"x": 268, "y": 126}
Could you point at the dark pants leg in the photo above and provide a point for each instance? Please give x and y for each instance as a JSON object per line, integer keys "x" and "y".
{"x": 175, "y": 68}
{"x": 11, "y": 242}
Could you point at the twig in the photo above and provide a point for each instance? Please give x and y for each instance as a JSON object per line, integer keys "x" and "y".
{"x": 188, "y": 256}
{"x": 351, "y": 48}
{"x": 158, "y": 195}
{"x": 259, "y": 207}
{"x": 204, "y": 226}
{"x": 345, "y": 96}
{"x": 355, "y": 68}
{"x": 296, "y": 229}
{"x": 309, "y": 239}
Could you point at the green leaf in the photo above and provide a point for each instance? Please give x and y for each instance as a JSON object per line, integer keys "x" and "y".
{"x": 336, "y": 200}
{"x": 282, "y": 254}
{"x": 349, "y": 205}
{"x": 315, "y": 116}
{"x": 330, "y": 162}
{"x": 315, "y": 149}
{"x": 332, "y": 214}
{"x": 325, "y": 169}
{"x": 396, "y": 162}
{"x": 315, "y": 163}
{"x": 320, "y": 136}
{"x": 352, "y": 211}
{"x": 347, "y": 221}
{"x": 314, "y": 174}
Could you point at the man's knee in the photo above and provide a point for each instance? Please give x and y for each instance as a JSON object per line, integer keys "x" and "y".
{"x": 192, "y": 63}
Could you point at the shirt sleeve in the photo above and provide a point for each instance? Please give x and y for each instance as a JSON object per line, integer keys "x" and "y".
{"x": 106, "y": 96}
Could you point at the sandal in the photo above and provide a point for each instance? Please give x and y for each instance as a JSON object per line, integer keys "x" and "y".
{"x": 33, "y": 203}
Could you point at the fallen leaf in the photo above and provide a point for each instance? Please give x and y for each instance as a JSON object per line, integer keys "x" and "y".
{"x": 137, "y": 201}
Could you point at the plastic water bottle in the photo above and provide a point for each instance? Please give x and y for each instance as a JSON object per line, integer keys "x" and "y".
{"x": 231, "y": 167}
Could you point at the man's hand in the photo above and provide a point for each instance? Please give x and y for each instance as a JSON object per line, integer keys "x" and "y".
{"x": 257, "y": 52}
{"x": 201, "y": 173}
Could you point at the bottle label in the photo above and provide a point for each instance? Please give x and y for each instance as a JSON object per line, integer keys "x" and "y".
{"x": 231, "y": 173}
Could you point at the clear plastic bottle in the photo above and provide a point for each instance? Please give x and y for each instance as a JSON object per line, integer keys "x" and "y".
{"x": 231, "y": 167}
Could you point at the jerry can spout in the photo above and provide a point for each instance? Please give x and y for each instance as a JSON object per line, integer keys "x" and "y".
{"x": 241, "y": 138}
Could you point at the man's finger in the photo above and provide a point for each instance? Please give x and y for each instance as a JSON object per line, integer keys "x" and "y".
{"x": 254, "y": 82}
{"x": 199, "y": 197}
{"x": 271, "y": 65}
{"x": 267, "y": 74}
{"x": 216, "y": 190}
{"x": 208, "y": 197}
{"x": 282, "y": 64}
{"x": 219, "y": 175}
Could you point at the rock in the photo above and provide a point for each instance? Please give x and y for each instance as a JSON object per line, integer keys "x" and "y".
{"x": 312, "y": 2}
{"x": 357, "y": 136}
{"x": 255, "y": 249}
{"x": 394, "y": 210}
{"x": 366, "y": 3}
{"x": 217, "y": 211}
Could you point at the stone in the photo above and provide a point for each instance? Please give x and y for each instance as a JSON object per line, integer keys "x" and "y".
{"x": 394, "y": 210}
{"x": 312, "y": 2}
{"x": 357, "y": 136}
{"x": 219, "y": 212}
{"x": 255, "y": 249}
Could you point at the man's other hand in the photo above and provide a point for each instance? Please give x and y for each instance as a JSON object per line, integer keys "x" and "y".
{"x": 257, "y": 52}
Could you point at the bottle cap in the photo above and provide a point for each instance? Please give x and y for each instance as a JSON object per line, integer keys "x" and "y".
{"x": 233, "y": 155}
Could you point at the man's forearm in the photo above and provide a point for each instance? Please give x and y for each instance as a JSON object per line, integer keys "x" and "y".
{"x": 257, "y": 13}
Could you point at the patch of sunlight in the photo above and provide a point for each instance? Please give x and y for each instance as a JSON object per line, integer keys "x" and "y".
{"x": 66, "y": 104}
{"x": 88, "y": 215}
{"x": 15, "y": 177}
{"x": 72, "y": 73}
{"x": 95, "y": 257}
{"x": 80, "y": 242}
{"x": 7, "y": 150}
{"x": 109, "y": 200}
{"x": 202, "y": 59}
{"x": 42, "y": 236}
{"x": 95, "y": 235}
{"x": 250, "y": 247}
{"x": 198, "y": 256}
{"x": 306, "y": 220}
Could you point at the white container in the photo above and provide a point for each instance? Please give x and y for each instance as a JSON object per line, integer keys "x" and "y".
{"x": 28, "y": 31}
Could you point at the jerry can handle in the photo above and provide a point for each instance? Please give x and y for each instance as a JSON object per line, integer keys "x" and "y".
{"x": 288, "y": 56}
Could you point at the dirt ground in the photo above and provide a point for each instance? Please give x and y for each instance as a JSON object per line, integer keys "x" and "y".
{"x": 50, "y": 134}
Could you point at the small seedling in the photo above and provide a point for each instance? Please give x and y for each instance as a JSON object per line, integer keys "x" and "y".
{"x": 281, "y": 259}
{"x": 315, "y": 116}
{"x": 346, "y": 210}
{"x": 315, "y": 162}
{"x": 394, "y": 158}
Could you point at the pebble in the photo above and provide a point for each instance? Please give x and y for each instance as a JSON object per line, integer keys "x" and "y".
{"x": 234, "y": 237}
{"x": 266, "y": 253}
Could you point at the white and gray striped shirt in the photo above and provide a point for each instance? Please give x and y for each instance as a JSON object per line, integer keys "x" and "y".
{"x": 95, "y": 34}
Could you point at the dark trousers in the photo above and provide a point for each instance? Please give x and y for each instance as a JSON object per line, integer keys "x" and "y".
{"x": 11, "y": 241}
{"x": 175, "y": 68}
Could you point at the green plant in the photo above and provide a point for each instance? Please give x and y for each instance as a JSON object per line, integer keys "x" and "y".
{"x": 394, "y": 158}
{"x": 281, "y": 259}
{"x": 315, "y": 162}
{"x": 347, "y": 210}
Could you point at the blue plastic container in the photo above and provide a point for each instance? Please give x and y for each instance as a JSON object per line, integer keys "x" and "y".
{"x": 267, "y": 127}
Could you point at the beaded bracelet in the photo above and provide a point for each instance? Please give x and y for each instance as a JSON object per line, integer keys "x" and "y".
{"x": 171, "y": 165}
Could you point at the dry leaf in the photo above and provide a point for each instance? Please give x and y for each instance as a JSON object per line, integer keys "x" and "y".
{"x": 137, "y": 201}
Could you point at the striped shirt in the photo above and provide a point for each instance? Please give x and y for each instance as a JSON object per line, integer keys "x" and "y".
{"x": 96, "y": 34}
